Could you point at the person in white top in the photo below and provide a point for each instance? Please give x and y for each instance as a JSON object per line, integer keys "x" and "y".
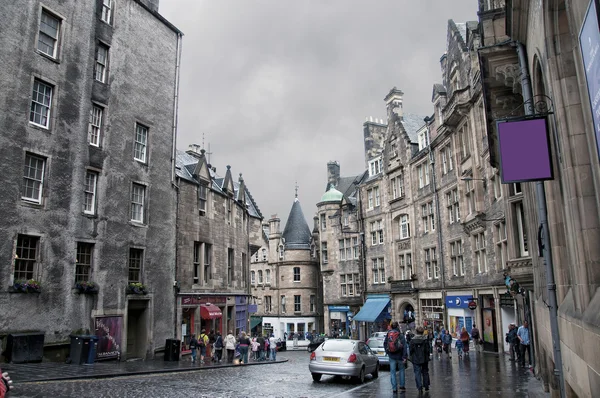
{"x": 230, "y": 346}
{"x": 273, "y": 347}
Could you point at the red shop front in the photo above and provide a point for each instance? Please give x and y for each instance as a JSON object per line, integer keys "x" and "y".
{"x": 200, "y": 312}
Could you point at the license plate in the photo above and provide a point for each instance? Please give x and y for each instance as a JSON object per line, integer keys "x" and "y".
{"x": 331, "y": 359}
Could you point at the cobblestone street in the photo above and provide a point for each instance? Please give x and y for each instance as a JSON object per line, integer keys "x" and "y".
{"x": 481, "y": 375}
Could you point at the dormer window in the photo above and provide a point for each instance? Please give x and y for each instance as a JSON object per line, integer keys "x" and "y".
{"x": 281, "y": 252}
{"x": 375, "y": 167}
{"x": 423, "y": 140}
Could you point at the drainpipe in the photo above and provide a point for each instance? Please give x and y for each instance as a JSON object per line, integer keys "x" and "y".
{"x": 544, "y": 233}
{"x": 438, "y": 217}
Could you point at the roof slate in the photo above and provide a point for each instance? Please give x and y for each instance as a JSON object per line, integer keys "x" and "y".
{"x": 412, "y": 123}
{"x": 184, "y": 168}
{"x": 296, "y": 232}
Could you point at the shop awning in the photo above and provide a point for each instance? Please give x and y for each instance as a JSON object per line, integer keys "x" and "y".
{"x": 371, "y": 309}
{"x": 255, "y": 321}
{"x": 210, "y": 311}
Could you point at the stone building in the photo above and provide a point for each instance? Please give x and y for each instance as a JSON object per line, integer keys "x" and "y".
{"x": 289, "y": 295}
{"x": 87, "y": 142}
{"x": 219, "y": 227}
{"x": 339, "y": 243}
{"x": 432, "y": 211}
{"x": 540, "y": 59}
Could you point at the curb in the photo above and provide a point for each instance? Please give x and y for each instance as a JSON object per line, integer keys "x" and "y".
{"x": 144, "y": 372}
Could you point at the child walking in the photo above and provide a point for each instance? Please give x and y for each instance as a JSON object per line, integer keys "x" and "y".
{"x": 459, "y": 348}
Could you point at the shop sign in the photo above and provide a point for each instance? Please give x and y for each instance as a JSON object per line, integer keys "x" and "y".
{"x": 339, "y": 308}
{"x": 458, "y": 301}
{"x": 195, "y": 300}
{"x": 472, "y": 304}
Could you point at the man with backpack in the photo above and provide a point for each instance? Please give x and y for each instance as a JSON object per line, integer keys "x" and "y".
{"x": 193, "y": 347}
{"x": 395, "y": 347}
{"x": 476, "y": 339}
{"x": 419, "y": 352}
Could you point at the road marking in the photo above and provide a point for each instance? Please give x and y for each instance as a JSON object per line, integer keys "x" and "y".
{"x": 351, "y": 390}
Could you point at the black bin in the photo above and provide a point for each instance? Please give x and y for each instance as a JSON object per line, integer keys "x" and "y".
{"x": 172, "y": 348}
{"x": 24, "y": 347}
{"x": 80, "y": 349}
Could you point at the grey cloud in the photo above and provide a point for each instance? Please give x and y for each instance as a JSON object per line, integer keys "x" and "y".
{"x": 282, "y": 87}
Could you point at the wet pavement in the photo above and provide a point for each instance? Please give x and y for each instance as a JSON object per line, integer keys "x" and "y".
{"x": 480, "y": 375}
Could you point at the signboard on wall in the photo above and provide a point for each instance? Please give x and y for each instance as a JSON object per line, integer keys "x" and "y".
{"x": 458, "y": 301}
{"x": 589, "y": 44}
{"x": 109, "y": 331}
{"x": 524, "y": 148}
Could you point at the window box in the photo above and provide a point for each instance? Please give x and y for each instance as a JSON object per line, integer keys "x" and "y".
{"x": 137, "y": 288}
{"x": 86, "y": 287}
{"x": 26, "y": 286}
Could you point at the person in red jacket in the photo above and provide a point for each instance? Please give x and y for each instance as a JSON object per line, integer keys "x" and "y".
{"x": 5, "y": 385}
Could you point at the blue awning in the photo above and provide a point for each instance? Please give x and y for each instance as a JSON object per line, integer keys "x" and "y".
{"x": 371, "y": 310}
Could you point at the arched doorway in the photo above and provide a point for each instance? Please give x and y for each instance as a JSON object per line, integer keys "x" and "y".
{"x": 407, "y": 315}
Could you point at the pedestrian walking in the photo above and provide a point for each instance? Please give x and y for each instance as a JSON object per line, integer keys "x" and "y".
{"x": 260, "y": 340}
{"x": 230, "y": 346}
{"x": 202, "y": 343}
{"x": 193, "y": 347}
{"x": 465, "y": 338}
{"x": 419, "y": 353}
{"x": 209, "y": 346}
{"x": 447, "y": 343}
{"x": 476, "y": 339}
{"x": 244, "y": 345}
{"x": 295, "y": 340}
{"x": 513, "y": 343}
{"x": 524, "y": 340}
{"x": 397, "y": 351}
{"x": 254, "y": 349}
{"x": 459, "y": 348}
{"x": 218, "y": 347}
{"x": 273, "y": 347}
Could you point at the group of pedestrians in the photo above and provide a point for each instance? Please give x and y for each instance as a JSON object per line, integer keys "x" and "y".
{"x": 519, "y": 343}
{"x": 419, "y": 348}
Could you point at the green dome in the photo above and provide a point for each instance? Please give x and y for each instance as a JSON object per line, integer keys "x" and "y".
{"x": 332, "y": 195}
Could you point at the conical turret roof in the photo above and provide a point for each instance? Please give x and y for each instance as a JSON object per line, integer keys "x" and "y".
{"x": 296, "y": 232}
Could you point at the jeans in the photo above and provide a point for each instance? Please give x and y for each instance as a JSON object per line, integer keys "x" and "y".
{"x": 274, "y": 354}
{"x": 397, "y": 365}
{"x": 194, "y": 354}
{"x": 244, "y": 354}
{"x": 421, "y": 375}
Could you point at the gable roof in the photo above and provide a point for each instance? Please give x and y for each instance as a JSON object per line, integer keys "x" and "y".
{"x": 296, "y": 233}
{"x": 412, "y": 124}
{"x": 185, "y": 164}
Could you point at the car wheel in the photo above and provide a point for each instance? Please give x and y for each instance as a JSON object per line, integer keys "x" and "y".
{"x": 375, "y": 374}
{"x": 361, "y": 377}
{"x": 316, "y": 376}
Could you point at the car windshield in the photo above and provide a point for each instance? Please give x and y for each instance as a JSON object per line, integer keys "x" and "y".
{"x": 376, "y": 343}
{"x": 338, "y": 345}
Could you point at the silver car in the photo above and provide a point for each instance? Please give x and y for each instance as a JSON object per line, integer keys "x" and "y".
{"x": 376, "y": 345}
{"x": 343, "y": 357}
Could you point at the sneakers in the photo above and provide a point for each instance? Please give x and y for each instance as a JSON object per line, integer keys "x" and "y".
{"x": 402, "y": 388}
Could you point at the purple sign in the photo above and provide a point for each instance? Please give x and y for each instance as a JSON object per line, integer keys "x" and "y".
{"x": 108, "y": 331}
{"x": 524, "y": 150}
{"x": 589, "y": 43}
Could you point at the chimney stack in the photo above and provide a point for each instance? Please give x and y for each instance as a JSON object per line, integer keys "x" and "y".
{"x": 333, "y": 173}
{"x": 394, "y": 104}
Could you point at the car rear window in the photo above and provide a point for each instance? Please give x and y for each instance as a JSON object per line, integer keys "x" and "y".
{"x": 338, "y": 345}
{"x": 375, "y": 343}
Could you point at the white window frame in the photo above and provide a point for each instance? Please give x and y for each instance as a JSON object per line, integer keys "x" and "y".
{"x": 370, "y": 200}
{"x": 456, "y": 258}
{"x": 355, "y": 247}
{"x": 297, "y": 303}
{"x": 33, "y": 182}
{"x": 268, "y": 276}
{"x": 297, "y": 275}
{"x": 260, "y": 277}
{"x": 501, "y": 240}
{"x": 324, "y": 256}
{"x": 138, "y": 199}
{"x": 202, "y": 197}
{"x": 101, "y": 63}
{"x": 375, "y": 167}
{"x": 95, "y": 125}
{"x": 479, "y": 251}
{"x": 377, "y": 197}
{"x": 470, "y": 196}
{"x": 107, "y": 11}
{"x": 428, "y": 269}
{"x": 323, "y": 222}
{"x": 523, "y": 242}
{"x": 41, "y": 103}
{"x": 140, "y": 150}
{"x": 89, "y": 190}
{"x": 44, "y": 32}
{"x": 404, "y": 222}
{"x": 253, "y": 277}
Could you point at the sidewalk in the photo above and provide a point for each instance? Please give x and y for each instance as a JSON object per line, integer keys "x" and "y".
{"x": 53, "y": 371}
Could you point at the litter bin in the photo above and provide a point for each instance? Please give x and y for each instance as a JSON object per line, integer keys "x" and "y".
{"x": 93, "y": 345}
{"x": 80, "y": 349}
{"x": 172, "y": 349}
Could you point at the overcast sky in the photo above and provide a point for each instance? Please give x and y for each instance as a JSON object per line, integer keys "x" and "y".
{"x": 279, "y": 87}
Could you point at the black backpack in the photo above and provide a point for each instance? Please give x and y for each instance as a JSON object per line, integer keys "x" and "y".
{"x": 418, "y": 350}
{"x": 193, "y": 342}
